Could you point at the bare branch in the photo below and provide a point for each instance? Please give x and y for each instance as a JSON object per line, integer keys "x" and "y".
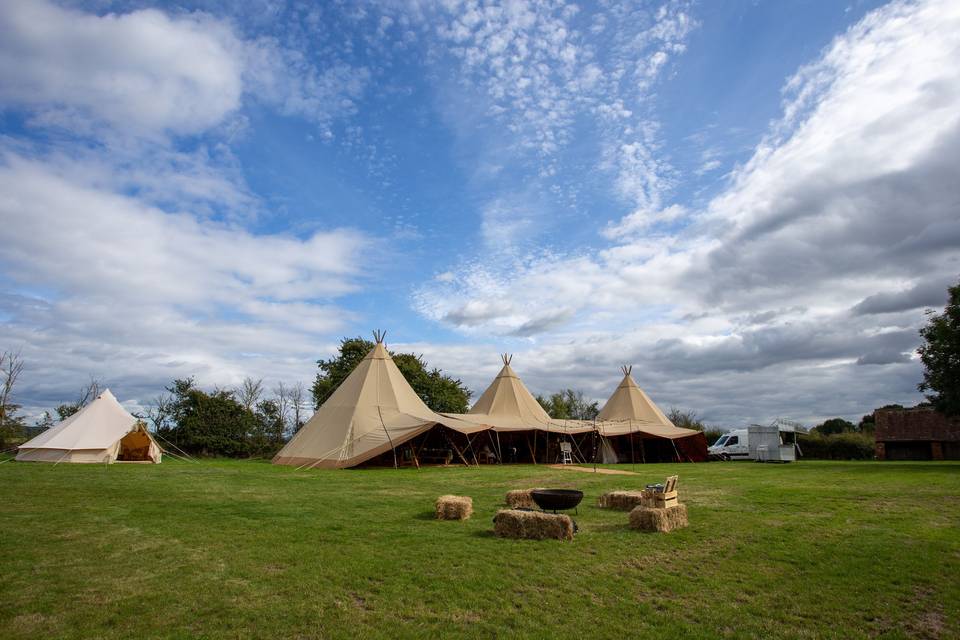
{"x": 248, "y": 393}
{"x": 297, "y": 397}
{"x": 11, "y": 365}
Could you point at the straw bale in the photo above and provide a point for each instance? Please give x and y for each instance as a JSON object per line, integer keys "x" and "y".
{"x": 621, "y": 500}
{"x": 454, "y": 507}
{"x": 532, "y": 525}
{"x": 665, "y": 520}
{"x": 520, "y": 499}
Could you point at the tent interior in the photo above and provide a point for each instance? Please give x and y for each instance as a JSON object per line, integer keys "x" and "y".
{"x": 541, "y": 447}
{"x": 444, "y": 446}
{"x": 135, "y": 447}
{"x": 641, "y": 447}
{"x": 437, "y": 445}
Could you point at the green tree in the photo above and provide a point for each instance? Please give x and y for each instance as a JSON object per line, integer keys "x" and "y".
{"x": 834, "y": 425}
{"x": 438, "y": 391}
{"x": 569, "y": 405}
{"x": 685, "y": 419}
{"x": 208, "y": 423}
{"x": 940, "y": 354}
{"x": 267, "y": 436}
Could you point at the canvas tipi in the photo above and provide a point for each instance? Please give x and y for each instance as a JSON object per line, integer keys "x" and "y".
{"x": 507, "y": 405}
{"x": 102, "y": 431}
{"x": 373, "y": 411}
{"x": 631, "y": 411}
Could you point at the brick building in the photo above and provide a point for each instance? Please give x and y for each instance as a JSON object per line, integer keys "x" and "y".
{"x": 916, "y": 434}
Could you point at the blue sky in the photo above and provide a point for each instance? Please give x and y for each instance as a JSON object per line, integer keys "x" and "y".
{"x": 751, "y": 202}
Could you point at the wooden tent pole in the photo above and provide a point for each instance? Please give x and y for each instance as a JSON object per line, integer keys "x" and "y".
{"x": 389, "y": 439}
{"x": 473, "y": 454}
{"x": 674, "y": 443}
{"x": 454, "y": 445}
{"x": 413, "y": 452}
{"x": 493, "y": 444}
{"x": 574, "y": 441}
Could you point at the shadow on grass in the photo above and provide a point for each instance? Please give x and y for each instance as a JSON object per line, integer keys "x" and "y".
{"x": 426, "y": 515}
{"x": 483, "y": 533}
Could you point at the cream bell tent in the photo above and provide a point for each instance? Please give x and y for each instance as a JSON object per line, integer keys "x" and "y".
{"x": 103, "y": 431}
{"x": 647, "y": 433}
{"x": 373, "y": 411}
{"x": 509, "y": 408}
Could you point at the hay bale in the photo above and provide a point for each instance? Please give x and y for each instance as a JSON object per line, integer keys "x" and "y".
{"x": 621, "y": 500}
{"x": 665, "y": 520}
{"x": 454, "y": 507}
{"x": 520, "y": 499}
{"x": 532, "y": 525}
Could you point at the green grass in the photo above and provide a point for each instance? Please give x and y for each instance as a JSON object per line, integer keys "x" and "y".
{"x": 227, "y": 549}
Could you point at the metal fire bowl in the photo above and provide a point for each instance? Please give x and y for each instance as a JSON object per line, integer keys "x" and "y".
{"x": 556, "y": 499}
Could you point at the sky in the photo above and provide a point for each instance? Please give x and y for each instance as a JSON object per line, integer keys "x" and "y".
{"x": 751, "y": 202}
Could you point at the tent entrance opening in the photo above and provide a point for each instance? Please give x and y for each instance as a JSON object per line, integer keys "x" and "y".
{"x": 135, "y": 447}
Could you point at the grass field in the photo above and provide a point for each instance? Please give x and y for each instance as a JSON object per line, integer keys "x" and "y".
{"x": 226, "y": 549}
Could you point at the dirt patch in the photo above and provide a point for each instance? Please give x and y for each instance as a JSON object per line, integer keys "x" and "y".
{"x": 359, "y": 601}
{"x": 468, "y": 617}
{"x": 608, "y": 472}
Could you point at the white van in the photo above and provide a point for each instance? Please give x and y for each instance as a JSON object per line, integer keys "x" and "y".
{"x": 733, "y": 445}
{"x": 776, "y": 442}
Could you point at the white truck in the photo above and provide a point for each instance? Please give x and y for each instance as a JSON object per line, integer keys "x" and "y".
{"x": 764, "y": 443}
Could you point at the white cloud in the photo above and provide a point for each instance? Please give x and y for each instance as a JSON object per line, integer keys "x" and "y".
{"x": 851, "y": 195}
{"x": 285, "y": 78}
{"x": 142, "y": 70}
{"x": 84, "y": 240}
{"x": 103, "y": 284}
{"x": 150, "y": 73}
{"x": 124, "y": 251}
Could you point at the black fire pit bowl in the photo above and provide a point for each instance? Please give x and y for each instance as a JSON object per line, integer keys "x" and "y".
{"x": 556, "y": 499}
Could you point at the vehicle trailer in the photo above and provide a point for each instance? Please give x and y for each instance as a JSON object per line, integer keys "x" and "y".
{"x": 763, "y": 443}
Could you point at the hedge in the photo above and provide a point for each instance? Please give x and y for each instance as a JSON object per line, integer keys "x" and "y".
{"x": 839, "y": 446}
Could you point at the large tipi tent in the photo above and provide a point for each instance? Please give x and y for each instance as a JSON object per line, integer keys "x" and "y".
{"x": 103, "y": 431}
{"x": 517, "y": 421}
{"x": 630, "y": 412}
{"x": 373, "y": 411}
{"x": 507, "y": 405}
